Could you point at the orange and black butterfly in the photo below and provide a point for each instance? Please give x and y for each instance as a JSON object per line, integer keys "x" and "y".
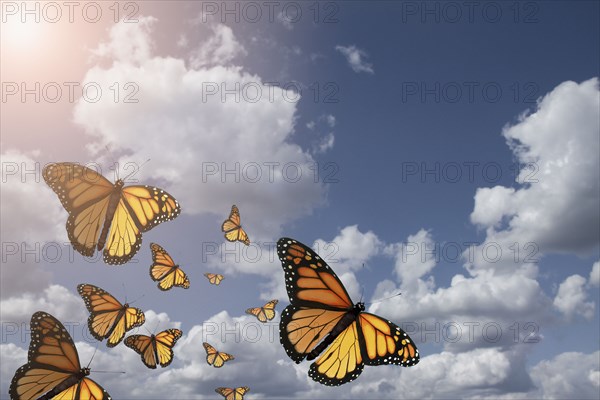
{"x": 53, "y": 370}
{"x": 216, "y": 358}
{"x": 214, "y": 279}
{"x": 106, "y": 215}
{"x": 233, "y": 394}
{"x": 155, "y": 349}
{"x": 321, "y": 323}
{"x": 109, "y": 319}
{"x": 264, "y": 313}
{"x": 165, "y": 271}
{"x": 233, "y": 228}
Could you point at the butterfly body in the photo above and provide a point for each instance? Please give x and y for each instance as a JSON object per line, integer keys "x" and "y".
{"x": 322, "y": 323}
{"x": 113, "y": 202}
{"x": 53, "y": 369}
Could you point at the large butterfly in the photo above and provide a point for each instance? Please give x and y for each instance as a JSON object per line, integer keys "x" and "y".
{"x": 102, "y": 213}
{"x": 233, "y": 228}
{"x": 322, "y": 323}
{"x": 216, "y": 358}
{"x": 165, "y": 271}
{"x": 109, "y": 319}
{"x": 155, "y": 349}
{"x": 53, "y": 369}
{"x": 264, "y": 313}
{"x": 233, "y": 394}
{"x": 215, "y": 279}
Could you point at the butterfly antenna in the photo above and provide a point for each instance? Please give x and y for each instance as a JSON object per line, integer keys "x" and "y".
{"x": 386, "y": 298}
{"x": 95, "y": 350}
{"x": 114, "y": 163}
{"x": 135, "y": 170}
{"x": 137, "y": 299}
{"x": 109, "y": 372}
{"x": 362, "y": 292}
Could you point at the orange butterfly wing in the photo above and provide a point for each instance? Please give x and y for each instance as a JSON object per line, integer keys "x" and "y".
{"x": 155, "y": 349}
{"x": 264, "y": 313}
{"x": 214, "y": 279}
{"x": 319, "y": 302}
{"x": 53, "y": 366}
{"x": 233, "y": 394}
{"x": 109, "y": 319}
{"x": 215, "y": 357}
{"x": 165, "y": 271}
{"x": 233, "y": 228}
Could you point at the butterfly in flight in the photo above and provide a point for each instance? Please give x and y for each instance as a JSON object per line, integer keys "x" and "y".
{"x": 106, "y": 215}
{"x": 233, "y": 228}
{"x": 53, "y": 369}
{"x": 165, "y": 271}
{"x": 214, "y": 279}
{"x": 155, "y": 349}
{"x": 109, "y": 319}
{"x": 321, "y": 323}
{"x": 216, "y": 358}
{"x": 233, "y": 394}
{"x": 264, "y": 313}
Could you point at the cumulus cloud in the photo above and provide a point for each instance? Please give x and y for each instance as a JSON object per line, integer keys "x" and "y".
{"x": 595, "y": 274}
{"x": 571, "y": 298}
{"x": 193, "y": 138}
{"x": 356, "y": 58}
{"x": 220, "y": 48}
{"x": 557, "y": 205}
{"x": 25, "y": 234}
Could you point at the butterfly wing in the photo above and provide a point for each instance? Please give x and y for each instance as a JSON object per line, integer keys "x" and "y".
{"x": 233, "y": 228}
{"x": 164, "y": 270}
{"x": 53, "y": 360}
{"x": 214, "y": 357}
{"x": 140, "y": 209}
{"x": 86, "y": 389}
{"x": 269, "y": 309}
{"x": 385, "y": 343}
{"x": 215, "y": 279}
{"x": 233, "y": 394}
{"x": 318, "y": 299}
{"x": 165, "y": 341}
{"x": 143, "y": 345}
{"x": 85, "y": 194}
{"x": 109, "y": 319}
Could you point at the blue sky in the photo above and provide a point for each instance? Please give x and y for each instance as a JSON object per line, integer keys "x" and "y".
{"x": 387, "y": 94}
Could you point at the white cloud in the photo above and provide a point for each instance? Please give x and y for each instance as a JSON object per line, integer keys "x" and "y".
{"x": 569, "y": 375}
{"x": 355, "y": 58}
{"x": 27, "y": 236}
{"x": 183, "y": 41}
{"x": 284, "y": 20}
{"x": 595, "y": 274}
{"x": 325, "y": 144}
{"x": 136, "y": 49}
{"x": 571, "y": 298}
{"x": 187, "y": 133}
{"x": 55, "y": 299}
{"x": 414, "y": 259}
{"x": 219, "y": 49}
{"x": 559, "y": 211}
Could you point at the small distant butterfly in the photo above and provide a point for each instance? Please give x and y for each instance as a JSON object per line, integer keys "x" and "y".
{"x": 264, "y": 313}
{"x": 109, "y": 319}
{"x": 215, "y": 279}
{"x": 102, "y": 213}
{"x": 165, "y": 271}
{"x": 233, "y": 394}
{"x": 214, "y": 357}
{"x": 53, "y": 370}
{"x": 233, "y": 228}
{"x": 155, "y": 349}
{"x": 322, "y": 323}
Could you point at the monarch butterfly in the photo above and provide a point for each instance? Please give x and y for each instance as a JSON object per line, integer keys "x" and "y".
{"x": 53, "y": 369}
{"x": 102, "y": 213}
{"x": 165, "y": 271}
{"x": 216, "y": 358}
{"x": 264, "y": 313}
{"x": 109, "y": 319}
{"x": 233, "y": 394}
{"x": 321, "y": 311}
{"x": 215, "y": 279}
{"x": 155, "y": 349}
{"x": 233, "y": 228}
